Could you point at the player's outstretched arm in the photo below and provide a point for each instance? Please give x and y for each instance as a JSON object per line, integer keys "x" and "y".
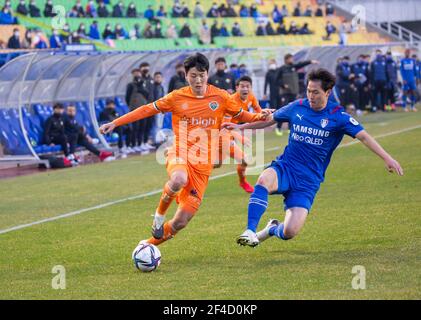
{"x": 373, "y": 145}
{"x": 252, "y": 125}
{"x": 135, "y": 115}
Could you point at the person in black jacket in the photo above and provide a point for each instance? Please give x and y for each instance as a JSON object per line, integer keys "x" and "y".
{"x": 76, "y": 135}
{"x": 270, "y": 82}
{"x": 34, "y": 11}
{"x": 222, "y": 79}
{"x": 48, "y": 9}
{"x": 54, "y": 129}
{"x": 178, "y": 80}
{"x": 21, "y": 8}
{"x": 14, "y": 40}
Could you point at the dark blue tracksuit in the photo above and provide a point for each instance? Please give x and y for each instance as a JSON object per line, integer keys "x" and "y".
{"x": 362, "y": 83}
{"x": 392, "y": 79}
{"x": 379, "y": 82}
{"x": 343, "y": 83}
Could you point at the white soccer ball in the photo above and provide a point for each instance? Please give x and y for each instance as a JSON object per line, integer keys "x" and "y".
{"x": 146, "y": 257}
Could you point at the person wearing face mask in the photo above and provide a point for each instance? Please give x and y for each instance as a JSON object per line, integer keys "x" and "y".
{"x": 48, "y": 9}
{"x": 213, "y": 11}
{"x": 118, "y": 10}
{"x": 21, "y": 8}
{"x": 81, "y": 30}
{"x": 344, "y": 77}
{"x": 54, "y": 129}
{"x": 94, "y": 31}
{"x": 14, "y": 40}
{"x": 362, "y": 81}
{"x": 56, "y": 40}
{"x": 79, "y": 9}
{"x": 146, "y": 124}
{"x": 120, "y": 33}
{"x": 102, "y": 10}
{"x": 40, "y": 40}
{"x": 222, "y": 79}
{"x": 178, "y": 80}
{"x": 270, "y": 82}
{"x": 76, "y": 135}
{"x": 131, "y": 11}
{"x": 379, "y": 81}
{"x": 34, "y": 11}
{"x": 392, "y": 81}
{"x": 91, "y": 9}
{"x": 108, "y": 33}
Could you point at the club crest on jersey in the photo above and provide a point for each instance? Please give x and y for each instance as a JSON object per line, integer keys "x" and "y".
{"x": 213, "y": 105}
{"x": 324, "y": 122}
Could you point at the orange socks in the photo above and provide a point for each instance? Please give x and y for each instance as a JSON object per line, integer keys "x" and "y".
{"x": 241, "y": 170}
{"x": 167, "y": 197}
{"x": 168, "y": 234}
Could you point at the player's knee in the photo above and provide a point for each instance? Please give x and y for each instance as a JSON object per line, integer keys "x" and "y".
{"x": 178, "y": 181}
{"x": 264, "y": 181}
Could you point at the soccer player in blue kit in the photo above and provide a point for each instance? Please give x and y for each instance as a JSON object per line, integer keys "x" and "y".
{"x": 409, "y": 76}
{"x": 318, "y": 125}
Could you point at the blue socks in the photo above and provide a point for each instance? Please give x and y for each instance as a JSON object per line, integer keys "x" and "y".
{"x": 257, "y": 206}
{"x": 278, "y": 231}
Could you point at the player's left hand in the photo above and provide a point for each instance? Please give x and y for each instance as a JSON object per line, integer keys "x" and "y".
{"x": 229, "y": 126}
{"x": 393, "y": 165}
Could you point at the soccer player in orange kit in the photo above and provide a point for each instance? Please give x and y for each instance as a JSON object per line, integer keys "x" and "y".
{"x": 197, "y": 111}
{"x": 246, "y": 99}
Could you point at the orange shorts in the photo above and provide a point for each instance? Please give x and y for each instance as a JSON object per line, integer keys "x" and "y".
{"x": 190, "y": 197}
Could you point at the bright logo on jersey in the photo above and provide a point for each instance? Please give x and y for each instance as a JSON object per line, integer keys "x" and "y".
{"x": 324, "y": 122}
{"x": 353, "y": 121}
{"x": 213, "y": 105}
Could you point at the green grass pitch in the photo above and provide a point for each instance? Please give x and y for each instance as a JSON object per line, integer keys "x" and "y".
{"x": 362, "y": 215}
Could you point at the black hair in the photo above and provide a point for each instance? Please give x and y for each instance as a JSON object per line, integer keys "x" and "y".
{"x": 325, "y": 77}
{"x": 287, "y": 56}
{"x": 144, "y": 64}
{"x": 244, "y": 78}
{"x": 179, "y": 65}
{"x": 58, "y": 105}
{"x": 156, "y": 73}
{"x": 220, "y": 59}
{"x": 198, "y": 61}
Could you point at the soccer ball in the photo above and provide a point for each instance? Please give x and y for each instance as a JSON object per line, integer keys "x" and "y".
{"x": 146, "y": 257}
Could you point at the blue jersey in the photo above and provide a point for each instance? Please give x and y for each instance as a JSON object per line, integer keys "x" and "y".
{"x": 313, "y": 137}
{"x": 408, "y": 69}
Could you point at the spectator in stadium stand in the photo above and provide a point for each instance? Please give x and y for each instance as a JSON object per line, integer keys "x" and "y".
{"x": 242, "y": 70}
{"x": 109, "y": 114}
{"x": 343, "y": 33}
{"x": 91, "y": 9}
{"x": 21, "y": 8}
{"x": 27, "y": 40}
{"x": 178, "y": 80}
{"x": 236, "y": 30}
{"x": 222, "y": 79}
{"x": 185, "y": 13}
{"x": 270, "y": 82}
{"x": 362, "y": 81}
{"x": 6, "y": 16}
{"x": 79, "y": 8}
{"x": 284, "y": 11}
{"x": 3, "y": 44}
{"x": 120, "y": 32}
{"x": 147, "y": 31}
{"x": 198, "y": 11}
{"x": 118, "y": 10}
{"x": 67, "y": 35}
{"x": 161, "y": 13}
{"x": 329, "y": 9}
{"x": 185, "y": 31}
{"x": 94, "y": 31}
{"x": 215, "y": 31}
{"x": 213, "y": 11}
{"x": 131, "y": 11}
{"x": 102, "y": 10}
{"x": 108, "y": 33}
{"x": 261, "y": 31}
{"x": 281, "y": 29}
{"x": 34, "y": 11}
{"x": 308, "y": 12}
{"x": 297, "y": 10}
{"x": 82, "y": 29}
{"x": 231, "y": 11}
{"x": 344, "y": 76}
{"x": 319, "y": 12}
{"x": 76, "y": 135}
{"x": 40, "y": 42}
{"x": 75, "y": 38}
{"x": 379, "y": 81}
{"x": 304, "y": 29}
{"x": 392, "y": 80}
{"x": 276, "y": 14}
{"x": 56, "y": 40}
{"x": 54, "y": 129}
{"x": 330, "y": 28}
{"x": 149, "y": 13}
{"x": 172, "y": 33}
{"x": 14, "y": 40}
{"x": 253, "y": 11}
{"x": 177, "y": 10}
{"x": 235, "y": 71}
{"x": 244, "y": 12}
{"x": 204, "y": 33}
{"x": 223, "y": 32}
{"x": 135, "y": 33}
{"x": 48, "y": 9}
{"x": 222, "y": 9}
{"x": 293, "y": 28}
{"x": 158, "y": 31}
{"x": 269, "y": 29}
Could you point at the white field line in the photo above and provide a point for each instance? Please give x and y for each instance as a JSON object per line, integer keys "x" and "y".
{"x": 158, "y": 191}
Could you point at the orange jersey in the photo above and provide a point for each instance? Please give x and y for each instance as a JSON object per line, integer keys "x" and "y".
{"x": 196, "y": 122}
{"x": 250, "y": 102}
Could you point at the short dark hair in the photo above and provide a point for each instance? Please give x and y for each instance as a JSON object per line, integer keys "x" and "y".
{"x": 179, "y": 65}
{"x": 245, "y": 79}
{"x": 157, "y": 73}
{"x": 220, "y": 59}
{"x": 144, "y": 64}
{"x": 135, "y": 70}
{"x": 198, "y": 61}
{"x": 58, "y": 105}
{"x": 287, "y": 56}
{"x": 325, "y": 77}
{"x": 109, "y": 101}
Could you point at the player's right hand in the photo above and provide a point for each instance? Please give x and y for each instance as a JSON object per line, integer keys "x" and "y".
{"x": 229, "y": 126}
{"x": 393, "y": 165}
{"x": 107, "y": 128}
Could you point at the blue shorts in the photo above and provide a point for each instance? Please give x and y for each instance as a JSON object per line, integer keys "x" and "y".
{"x": 302, "y": 198}
{"x": 410, "y": 85}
